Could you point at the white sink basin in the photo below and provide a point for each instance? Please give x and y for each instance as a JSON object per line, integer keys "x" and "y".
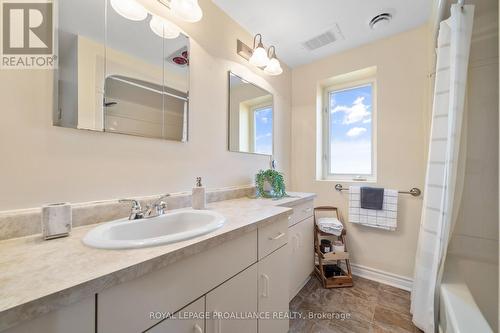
{"x": 164, "y": 229}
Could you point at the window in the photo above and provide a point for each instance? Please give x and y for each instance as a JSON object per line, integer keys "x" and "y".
{"x": 348, "y": 131}
{"x": 263, "y": 130}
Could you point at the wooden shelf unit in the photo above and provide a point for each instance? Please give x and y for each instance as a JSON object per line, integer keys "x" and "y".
{"x": 331, "y": 258}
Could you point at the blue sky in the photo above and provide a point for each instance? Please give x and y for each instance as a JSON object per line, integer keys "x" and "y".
{"x": 350, "y": 130}
{"x": 263, "y": 123}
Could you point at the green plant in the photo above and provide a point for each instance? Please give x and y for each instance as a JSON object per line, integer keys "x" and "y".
{"x": 275, "y": 180}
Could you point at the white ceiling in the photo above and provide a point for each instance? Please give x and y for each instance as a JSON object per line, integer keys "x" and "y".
{"x": 289, "y": 23}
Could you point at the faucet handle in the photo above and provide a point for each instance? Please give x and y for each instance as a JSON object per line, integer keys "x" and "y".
{"x": 135, "y": 203}
{"x": 135, "y": 211}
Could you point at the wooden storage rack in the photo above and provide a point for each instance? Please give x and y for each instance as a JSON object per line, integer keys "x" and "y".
{"x": 321, "y": 259}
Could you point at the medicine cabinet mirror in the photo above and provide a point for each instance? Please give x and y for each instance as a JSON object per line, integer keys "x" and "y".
{"x": 118, "y": 75}
{"x": 251, "y": 117}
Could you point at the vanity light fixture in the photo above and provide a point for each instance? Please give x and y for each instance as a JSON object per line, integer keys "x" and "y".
{"x": 273, "y": 67}
{"x": 130, "y": 9}
{"x": 259, "y": 56}
{"x": 164, "y": 28}
{"x": 186, "y": 10}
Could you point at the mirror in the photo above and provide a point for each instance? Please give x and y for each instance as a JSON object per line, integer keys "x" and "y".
{"x": 119, "y": 75}
{"x": 250, "y": 117}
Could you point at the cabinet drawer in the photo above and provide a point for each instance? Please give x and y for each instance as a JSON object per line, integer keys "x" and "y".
{"x": 187, "y": 320}
{"x": 301, "y": 212}
{"x": 272, "y": 237}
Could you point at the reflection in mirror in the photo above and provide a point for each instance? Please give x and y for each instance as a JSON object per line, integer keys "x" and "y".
{"x": 136, "y": 82}
{"x": 250, "y": 117}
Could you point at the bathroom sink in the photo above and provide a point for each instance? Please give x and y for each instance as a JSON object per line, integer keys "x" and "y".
{"x": 164, "y": 229}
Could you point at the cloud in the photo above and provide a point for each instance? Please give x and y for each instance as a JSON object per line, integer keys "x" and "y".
{"x": 357, "y": 112}
{"x": 351, "y": 157}
{"x": 263, "y": 136}
{"x": 355, "y": 131}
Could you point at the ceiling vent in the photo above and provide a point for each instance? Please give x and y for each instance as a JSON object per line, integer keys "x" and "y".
{"x": 379, "y": 21}
{"x": 320, "y": 41}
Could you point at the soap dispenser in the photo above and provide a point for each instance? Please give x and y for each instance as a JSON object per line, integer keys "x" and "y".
{"x": 198, "y": 198}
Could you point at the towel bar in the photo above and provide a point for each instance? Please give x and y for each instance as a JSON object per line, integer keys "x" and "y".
{"x": 413, "y": 191}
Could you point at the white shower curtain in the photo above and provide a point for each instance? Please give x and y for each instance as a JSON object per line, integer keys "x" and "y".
{"x": 439, "y": 196}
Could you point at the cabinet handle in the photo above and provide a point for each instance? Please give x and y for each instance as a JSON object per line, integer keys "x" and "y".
{"x": 218, "y": 323}
{"x": 289, "y": 217}
{"x": 296, "y": 247}
{"x": 197, "y": 329}
{"x": 265, "y": 291}
{"x": 299, "y": 240}
{"x": 278, "y": 236}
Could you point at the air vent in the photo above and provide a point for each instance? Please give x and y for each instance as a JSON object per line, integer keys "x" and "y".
{"x": 380, "y": 20}
{"x": 320, "y": 41}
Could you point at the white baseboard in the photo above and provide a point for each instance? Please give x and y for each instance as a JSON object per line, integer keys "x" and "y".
{"x": 398, "y": 281}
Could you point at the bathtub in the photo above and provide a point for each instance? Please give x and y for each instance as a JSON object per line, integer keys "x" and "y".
{"x": 460, "y": 307}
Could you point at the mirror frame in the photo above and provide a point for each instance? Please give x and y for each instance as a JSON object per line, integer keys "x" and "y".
{"x": 229, "y": 73}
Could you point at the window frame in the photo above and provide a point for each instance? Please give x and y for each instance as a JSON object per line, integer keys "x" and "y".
{"x": 326, "y": 144}
{"x": 253, "y": 111}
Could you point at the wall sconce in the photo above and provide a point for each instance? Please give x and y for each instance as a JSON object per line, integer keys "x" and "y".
{"x": 259, "y": 57}
{"x": 273, "y": 66}
{"x": 259, "y": 54}
{"x": 186, "y": 10}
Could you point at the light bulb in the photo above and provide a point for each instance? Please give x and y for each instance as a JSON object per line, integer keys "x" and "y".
{"x": 164, "y": 28}
{"x": 273, "y": 67}
{"x": 186, "y": 10}
{"x": 129, "y": 9}
{"x": 259, "y": 57}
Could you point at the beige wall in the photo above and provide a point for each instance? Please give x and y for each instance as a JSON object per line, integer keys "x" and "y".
{"x": 402, "y": 68}
{"x": 40, "y": 163}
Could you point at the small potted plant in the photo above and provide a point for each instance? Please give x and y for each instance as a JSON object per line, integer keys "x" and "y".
{"x": 270, "y": 184}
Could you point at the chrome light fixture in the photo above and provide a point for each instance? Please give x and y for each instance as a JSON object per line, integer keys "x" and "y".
{"x": 259, "y": 56}
{"x": 273, "y": 67}
{"x": 130, "y": 9}
{"x": 186, "y": 10}
{"x": 164, "y": 28}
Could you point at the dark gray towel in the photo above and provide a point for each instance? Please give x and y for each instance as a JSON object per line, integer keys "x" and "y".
{"x": 372, "y": 198}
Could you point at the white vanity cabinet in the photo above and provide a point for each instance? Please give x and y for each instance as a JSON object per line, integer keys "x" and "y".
{"x": 188, "y": 320}
{"x": 300, "y": 246}
{"x": 245, "y": 275}
{"x": 234, "y": 298}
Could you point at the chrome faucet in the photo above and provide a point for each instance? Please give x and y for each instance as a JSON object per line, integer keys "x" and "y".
{"x": 156, "y": 208}
{"x": 136, "y": 212}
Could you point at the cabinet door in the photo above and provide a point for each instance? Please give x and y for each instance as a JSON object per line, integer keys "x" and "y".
{"x": 273, "y": 291}
{"x": 74, "y": 318}
{"x": 188, "y": 320}
{"x": 301, "y": 254}
{"x": 234, "y": 297}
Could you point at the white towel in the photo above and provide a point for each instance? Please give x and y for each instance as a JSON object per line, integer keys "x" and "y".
{"x": 383, "y": 219}
{"x": 330, "y": 225}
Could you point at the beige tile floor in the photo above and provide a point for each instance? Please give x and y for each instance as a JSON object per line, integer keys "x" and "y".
{"x": 372, "y": 307}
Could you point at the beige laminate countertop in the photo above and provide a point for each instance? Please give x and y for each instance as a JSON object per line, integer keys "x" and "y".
{"x": 38, "y": 276}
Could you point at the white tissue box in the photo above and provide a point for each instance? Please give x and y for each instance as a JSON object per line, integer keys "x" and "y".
{"x": 338, "y": 247}
{"x": 56, "y": 220}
